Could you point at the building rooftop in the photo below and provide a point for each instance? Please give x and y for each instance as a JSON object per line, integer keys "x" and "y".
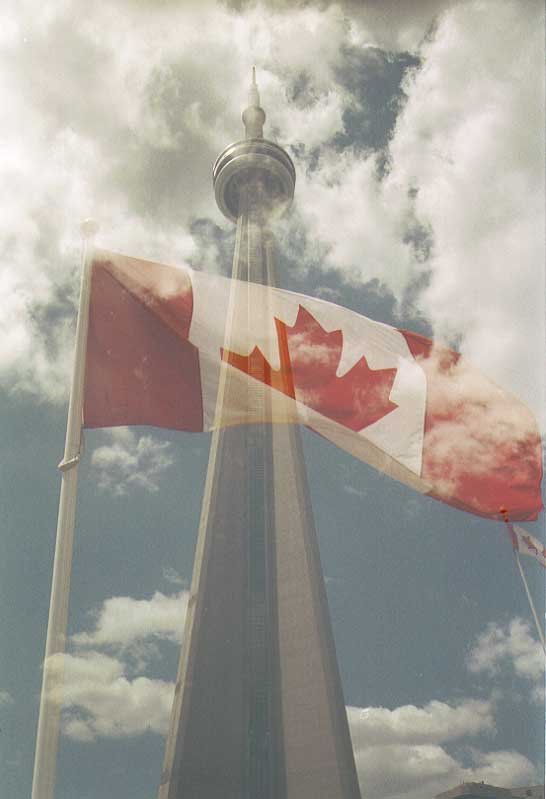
{"x": 481, "y": 790}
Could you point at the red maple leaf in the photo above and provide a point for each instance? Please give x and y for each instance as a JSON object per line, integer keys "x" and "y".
{"x": 309, "y": 358}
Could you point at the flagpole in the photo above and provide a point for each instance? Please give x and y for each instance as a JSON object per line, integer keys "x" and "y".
{"x": 515, "y": 548}
{"x": 531, "y": 603}
{"x": 47, "y": 737}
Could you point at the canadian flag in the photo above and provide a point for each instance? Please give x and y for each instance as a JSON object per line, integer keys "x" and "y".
{"x": 185, "y": 350}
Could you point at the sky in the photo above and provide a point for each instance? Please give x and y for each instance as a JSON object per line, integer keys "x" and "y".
{"x": 416, "y": 130}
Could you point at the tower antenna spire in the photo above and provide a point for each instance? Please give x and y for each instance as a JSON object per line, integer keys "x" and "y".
{"x": 254, "y": 96}
{"x": 254, "y": 115}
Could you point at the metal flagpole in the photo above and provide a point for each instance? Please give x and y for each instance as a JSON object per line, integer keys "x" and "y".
{"x": 531, "y": 603}
{"x": 515, "y": 547}
{"x": 47, "y": 738}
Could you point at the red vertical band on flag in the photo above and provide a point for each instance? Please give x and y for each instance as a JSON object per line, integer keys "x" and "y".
{"x": 480, "y": 443}
{"x": 140, "y": 368}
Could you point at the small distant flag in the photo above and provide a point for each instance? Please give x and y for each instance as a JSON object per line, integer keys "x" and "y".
{"x": 526, "y": 544}
{"x": 523, "y": 542}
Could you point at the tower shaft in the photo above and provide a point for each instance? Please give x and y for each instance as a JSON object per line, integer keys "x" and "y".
{"x": 258, "y": 710}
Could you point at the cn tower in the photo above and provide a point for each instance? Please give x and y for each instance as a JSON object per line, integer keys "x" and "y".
{"x": 258, "y": 711}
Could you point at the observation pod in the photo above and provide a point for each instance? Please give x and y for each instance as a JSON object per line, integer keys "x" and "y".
{"x": 253, "y": 174}
{"x": 255, "y": 167}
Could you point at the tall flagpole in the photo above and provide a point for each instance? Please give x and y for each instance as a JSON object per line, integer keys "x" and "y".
{"x": 530, "y": 600}
{"x": 47, "y": 738}
{"x": 515, "y": 547}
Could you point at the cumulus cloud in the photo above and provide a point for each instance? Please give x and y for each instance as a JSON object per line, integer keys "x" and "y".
{"x": 131, "y": 462}
{"x": 461, "y": 210}
{"x": 387, "y": 23}
{"x": 416, "y": 737}
{"x": 412, "y": 738}
{"x": 510, "y": 648}
{"x": 123, "y": 621}
{"x": 6, "y": 698}
{"x": 433, "y": 723}
{"x": 469, "y": 145}
{"x": 106, "y": 692}
{"x": 351, "y": 224}
{"x": 126, "y": 111}
{"x": 398, "y": 26}
{"x": 107, "y": 695}
{"x": 506, "y": 768}
{"x": 172, "y": 576}
{"x": 100, "y": 700}
{"x": 118, "y": 113}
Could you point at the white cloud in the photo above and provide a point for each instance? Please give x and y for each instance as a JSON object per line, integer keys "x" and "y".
{"x": 386, "y": 23}
{"x": 128, "y": 109}
{"x": 441, "y": 744}
{"x": 506, "y": 768}
{"x": 6, "y": 698}
{"x": 353, "y": 225}
{"x": 118, "y": 114}
{"x": 394, "y": 25}
{"x": 131, "y": 462}
{"x": 511, "y": 649}
{"x": 433, "y": 723}
{"x": 172, "y": 576}
{"x": 357, "y": 492}
{"x": 107, "y": 695}
{"x": 470, "y": 143}
{"x": 466, "y": 170}
{"x": 288, "y": 45}
{"x": 418, "y": 771}
{"x": 123, "y": 621}
{"x": 412, "y": 738}
{"x": 312, "y": 124}
{"x": 99, "y": 700}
